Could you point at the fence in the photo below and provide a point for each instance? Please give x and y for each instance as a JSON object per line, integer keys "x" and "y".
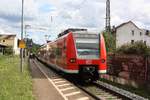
{"x": 130, "y": 67}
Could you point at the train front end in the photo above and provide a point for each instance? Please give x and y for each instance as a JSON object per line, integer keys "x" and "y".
{"x": 89, "y": 56}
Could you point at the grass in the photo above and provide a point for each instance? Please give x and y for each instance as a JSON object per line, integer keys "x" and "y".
{"x": 14, "y": 85}
{"x": 142, "y": 91}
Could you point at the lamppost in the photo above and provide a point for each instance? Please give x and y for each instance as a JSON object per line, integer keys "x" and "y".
{"x": 21, "y": 51}
{"x": 26, "y": 40}
{"x": 26, "y": 26}
{"x": 47, "y": 37}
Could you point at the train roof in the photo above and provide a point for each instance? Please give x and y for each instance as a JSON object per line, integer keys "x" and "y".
{"x": 85, "y": 32}
{"x": 71, "y": 30}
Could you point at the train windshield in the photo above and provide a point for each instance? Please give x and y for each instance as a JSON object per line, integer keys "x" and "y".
{"x": 87, "y": 45}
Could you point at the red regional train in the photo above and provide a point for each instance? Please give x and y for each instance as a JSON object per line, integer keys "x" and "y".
{"x": 78, "y": 52}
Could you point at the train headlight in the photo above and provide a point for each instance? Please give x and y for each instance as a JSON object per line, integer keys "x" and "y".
{"x": 103, "y": 61}
{"x": 72, "y": 60}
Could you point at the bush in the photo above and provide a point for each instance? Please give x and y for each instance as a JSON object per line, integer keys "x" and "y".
{"x": 8, "y": 51}
{"x": 138, "y": 48}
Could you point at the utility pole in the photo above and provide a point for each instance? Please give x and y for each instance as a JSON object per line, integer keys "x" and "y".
{"x": 108, "y": 26}
{"x": 21, "y": 51}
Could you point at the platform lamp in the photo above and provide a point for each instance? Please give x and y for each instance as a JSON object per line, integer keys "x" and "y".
{"x": 25, "y": 39}
{"x": 47, "y": 37}
{"x": 26, "y": 26}
{"x": 26, "y": 35}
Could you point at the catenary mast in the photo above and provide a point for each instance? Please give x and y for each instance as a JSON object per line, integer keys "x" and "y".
{"x": 108, "y": 26}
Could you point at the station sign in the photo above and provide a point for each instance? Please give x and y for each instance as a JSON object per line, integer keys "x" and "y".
{"x": 22, "y": 44}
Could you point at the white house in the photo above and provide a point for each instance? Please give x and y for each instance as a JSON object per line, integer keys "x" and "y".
{"x": 128, "y": 32}
{"x": 10, "y": 40}
{"x": 15, "y": 48}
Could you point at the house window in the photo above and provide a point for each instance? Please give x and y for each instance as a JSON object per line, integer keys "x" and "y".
{"x": 3, "y": 40}
{"x": 132, "y": 41}
{"x": 145, "y": 42}
{"x": 132, "y": 32}
{"x": 147, "y": 32}
{"x": 140, "y": 33}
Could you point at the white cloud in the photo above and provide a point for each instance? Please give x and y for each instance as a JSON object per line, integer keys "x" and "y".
{"x": 71, "y": 13}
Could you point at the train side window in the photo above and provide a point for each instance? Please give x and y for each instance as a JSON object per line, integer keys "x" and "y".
{"x": 64, "y": 45}
{"x": 52, "y": 55}
{"x": 59, "y": 52}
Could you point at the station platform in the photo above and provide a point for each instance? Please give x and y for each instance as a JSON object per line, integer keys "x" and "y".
{"x": 48, "y": 86}
{"x": 42, "y": 88}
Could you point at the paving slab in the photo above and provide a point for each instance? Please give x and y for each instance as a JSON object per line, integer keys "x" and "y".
{"x": 42, "y": 88}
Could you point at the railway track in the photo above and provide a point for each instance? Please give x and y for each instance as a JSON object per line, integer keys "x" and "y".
{"x": 100, "y": 93}
{"x": 103, "y": 91}
{"x": 122, "y": 93}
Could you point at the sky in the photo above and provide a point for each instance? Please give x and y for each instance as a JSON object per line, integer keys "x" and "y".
{"x": 49, "y": 17}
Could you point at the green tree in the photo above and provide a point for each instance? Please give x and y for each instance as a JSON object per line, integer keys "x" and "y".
{"x": 31, "y": 46}
{"x": 35, "y": 48}
{"x": 110, "y": 42}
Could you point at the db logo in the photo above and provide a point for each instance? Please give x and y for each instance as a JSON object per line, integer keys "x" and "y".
{"x": 88, "y": 61}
